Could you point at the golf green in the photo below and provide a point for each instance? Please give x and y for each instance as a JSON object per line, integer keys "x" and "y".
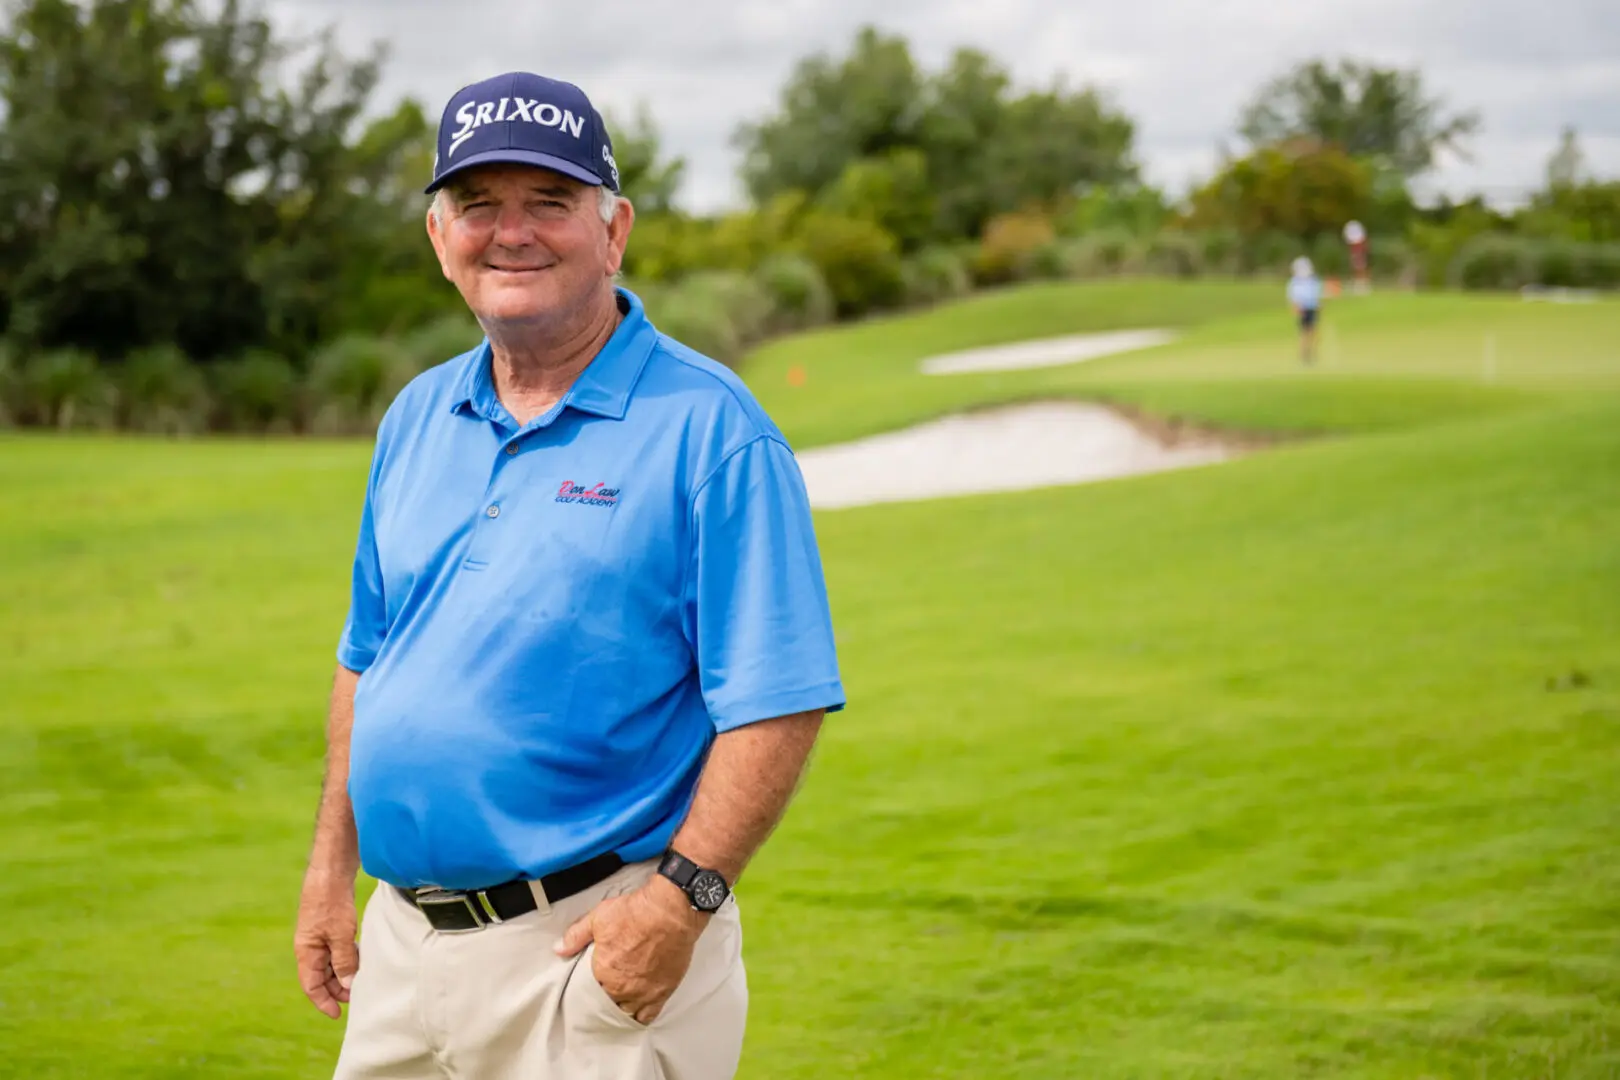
{"x": 1303, "y": 765}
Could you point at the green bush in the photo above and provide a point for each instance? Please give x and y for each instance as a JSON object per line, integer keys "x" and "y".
{"x": 65, "y": 388}
{"x": 738, "y": 241}
{"x": 1174, "y": 255}
{"x": 747, "y": 304}
{"x": 1102, "y": 254}
{"x": 890, "y": 189}
{"x": 1493, "y": 262}
{"x": 259, "y": 391}
{"x": 10, "y": 378}
{"x": 1391, "y": 259}
{"x": 935, "y": 274}
{"x": 1499, "y": 261}
{"x": 798, "y": 292}
{"x": 1049, "y": 262}
{"x": 395, "y": 302}
{"x": 651, "y": 293}
{"x": 1603, "y": 266}
{"x": 160, "y": 390}
{"x": 1558, "y": 264}
{"x": 1138, "y": 210}
{"x": 1436, "y": 245}
{"x": 1075, "y": 259}
{"x": 697, "y": 320}
{"x": 1330, "y": 256}
{"x": 350, "y": 380}
{"x": 1270, "y": 253}
{"x": 1008, "y": 248}
{"x": 664, "y": 247}
{"x": 433, "y": 343}
{"x": 1571, "y": 264}
{"x": 1220, "y": 251}
{"x": 859, "y": 261}
{"x": 428, "y": 346}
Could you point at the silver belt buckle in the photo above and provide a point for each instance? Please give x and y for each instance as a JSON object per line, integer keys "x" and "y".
{"x": 481, "y": 913}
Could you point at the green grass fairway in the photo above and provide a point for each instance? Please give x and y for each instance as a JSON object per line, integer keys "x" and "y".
{"x": 1306, "y": 765}
{"x": 1388, "y": 361}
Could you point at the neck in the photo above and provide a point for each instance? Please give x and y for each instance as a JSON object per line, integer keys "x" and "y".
{"x": 533, "y": 364}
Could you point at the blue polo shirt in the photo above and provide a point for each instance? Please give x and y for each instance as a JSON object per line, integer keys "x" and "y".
{"x": 1305, "y": 293}
{"x": 554, "y": 621}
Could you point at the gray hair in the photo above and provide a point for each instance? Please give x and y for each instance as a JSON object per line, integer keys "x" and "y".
{"x": 607, "y": 204}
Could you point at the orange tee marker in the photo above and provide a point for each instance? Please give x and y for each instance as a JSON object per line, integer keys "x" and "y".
{"x": 796, "y": 375}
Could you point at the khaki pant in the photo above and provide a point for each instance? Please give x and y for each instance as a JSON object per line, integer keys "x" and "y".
{"x": 499, "y": 1004}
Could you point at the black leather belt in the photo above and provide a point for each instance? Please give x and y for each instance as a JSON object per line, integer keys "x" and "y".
{"x": 455, "y": 911}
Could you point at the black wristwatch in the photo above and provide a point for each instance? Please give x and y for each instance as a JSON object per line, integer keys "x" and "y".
{"x": 706, "y": 889}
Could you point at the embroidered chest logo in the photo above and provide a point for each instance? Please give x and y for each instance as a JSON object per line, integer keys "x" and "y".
{"x": 595, "y": 495}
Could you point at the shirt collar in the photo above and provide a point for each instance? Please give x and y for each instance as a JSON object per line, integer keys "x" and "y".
{"x": 603, "y": 388}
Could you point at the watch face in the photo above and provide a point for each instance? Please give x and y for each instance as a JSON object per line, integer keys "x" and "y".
{"x": 708, "y": 891}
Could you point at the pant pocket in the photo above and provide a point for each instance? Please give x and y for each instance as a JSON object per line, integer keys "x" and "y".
{"x": 587, "y": 1004}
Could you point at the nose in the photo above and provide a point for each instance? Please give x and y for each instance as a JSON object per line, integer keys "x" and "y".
{"x": 512, "y": 226}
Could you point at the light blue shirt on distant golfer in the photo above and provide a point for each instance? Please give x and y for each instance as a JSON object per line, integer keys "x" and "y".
{"x": 553, "y": 622}
{"x": 1305, "y": 292}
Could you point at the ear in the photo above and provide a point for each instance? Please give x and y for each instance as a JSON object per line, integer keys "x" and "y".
{"x": 435, "y": 232}
{"x": 624, "y": 219}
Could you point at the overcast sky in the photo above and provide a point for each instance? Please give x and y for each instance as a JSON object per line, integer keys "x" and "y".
{"x": 1180, "y": 68}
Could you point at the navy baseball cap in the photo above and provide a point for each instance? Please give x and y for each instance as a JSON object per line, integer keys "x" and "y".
{"x": 524, "y": 119}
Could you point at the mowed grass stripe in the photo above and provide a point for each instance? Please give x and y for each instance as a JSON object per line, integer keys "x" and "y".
{"x": 1288, "y": 794}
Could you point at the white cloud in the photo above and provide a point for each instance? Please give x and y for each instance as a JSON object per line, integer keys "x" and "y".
{"x": 1181, "y": 68}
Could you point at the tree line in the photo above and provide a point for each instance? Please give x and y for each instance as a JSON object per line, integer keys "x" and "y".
{"x": 205, "y": 224}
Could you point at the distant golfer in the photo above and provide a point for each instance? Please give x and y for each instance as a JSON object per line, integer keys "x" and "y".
{"x": 1355, "y": 238}
{"x": 587, "y": 654}
{"x": 1305, "y": 294}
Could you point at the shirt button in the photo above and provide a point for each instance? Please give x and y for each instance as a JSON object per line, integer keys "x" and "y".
{"x": 511, "y": 449}
{"x": 493, "y": 511}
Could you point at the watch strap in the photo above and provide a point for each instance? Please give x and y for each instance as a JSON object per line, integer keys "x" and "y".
{"x": 678, "y": 868}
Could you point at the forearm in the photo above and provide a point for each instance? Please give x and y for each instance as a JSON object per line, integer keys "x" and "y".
{"x": 747, "y": 782}
{"x": 336, "y": 851}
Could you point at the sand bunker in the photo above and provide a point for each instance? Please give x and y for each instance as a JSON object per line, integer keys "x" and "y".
{"x": 1006, "y": 449}
{"x": 1046, "y": 352}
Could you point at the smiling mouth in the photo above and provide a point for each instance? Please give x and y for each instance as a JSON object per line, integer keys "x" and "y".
{"x": 517, "y": 269}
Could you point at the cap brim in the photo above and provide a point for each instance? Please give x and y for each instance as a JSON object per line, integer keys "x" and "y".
{"x": 516, "y": 157}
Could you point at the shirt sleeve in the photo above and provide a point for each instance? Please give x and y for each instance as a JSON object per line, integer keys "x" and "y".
{"x": 367, "y": 621}
{"x": 756, "y": 599}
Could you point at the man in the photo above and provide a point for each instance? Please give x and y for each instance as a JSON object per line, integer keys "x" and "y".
{"x": 587, "y": 654}
{"x": 1355, "y": 237}
{"x": 1305, "y": 294}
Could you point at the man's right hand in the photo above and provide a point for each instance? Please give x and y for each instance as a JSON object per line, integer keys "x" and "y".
{"x": 324, "y": 941}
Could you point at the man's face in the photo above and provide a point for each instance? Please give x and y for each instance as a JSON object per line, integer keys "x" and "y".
{"x": 525, "y": 244}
